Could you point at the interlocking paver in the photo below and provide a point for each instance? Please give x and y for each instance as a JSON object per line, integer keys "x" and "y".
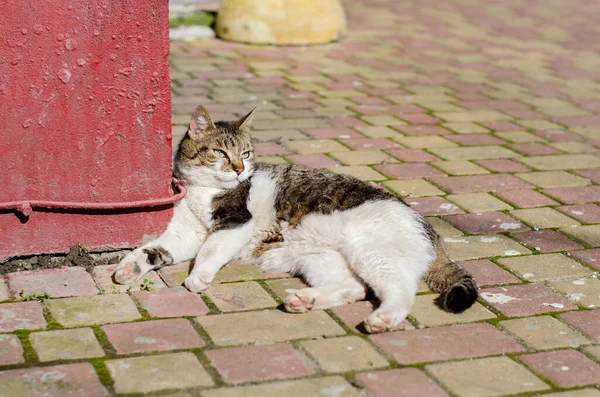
{"x": 316, "y": 160}
{"x": 575, "y": 195}
{"x": 4, "y": 292}
{"x": 545, "y": 267}
{"x": 68, "y": 344}
{"x": 443, "y": 228}
{"x": 487, "y": 222}
{"x": 562, "y": 161}
{"x": 585, "y": 291}
{"x": 405, "y": 382}
{"x": 154, "y": 373}
{"x": 240, "y": 296}
{"x": 427, "y": 206}
{"x": 103, "y": 276}
{"x": 544, "y": 332}
{"x": 413, "y": 188}
{"x": 363, "y": 157}
{"x": 486, "y": 377}
{"x": 586, "y": 321}
{"x": 91, "y": 310}
{"x": 590, "y": 234}
{"x": 460, "y": 167}
{"x": 576, "y": 393}
{"x": 524, "y": 300}
{"x": 473, "y": 153}
{"x": 476, "y": 247}
{"x": 71, "y": 380}
{"x": 362, "y": 172}
{"x": 353, "y": 315}
{"x": 590, "y": 257}
{"x": 480, "y": 183}
{"x": 344, "y": 354}
{"x": 171, "y": 302}
{"x": 58, "y": 283}
{"x": 281, "y": 286}
{"x": 23, "y": 315}
{"x": 502, "y": 165}
{"x": 258, "y": 363}
{"x": 315, "y": 146}
{"x": 525, "y": 198}
{"x": 158, "y": 335}
{"x": 478, "y": 202}
{"x": 544, "y": 218}
{"x": 552, "y": 179}
{"x": 11, "y": 350}
{"x": 408, "y": 170}
{"x": 486, "y": 272}
{"x": 546, "y": 241}
{"x": 586, "y": 213}
{"x": 428, "y": 314}
{"x": 566, "y": 368}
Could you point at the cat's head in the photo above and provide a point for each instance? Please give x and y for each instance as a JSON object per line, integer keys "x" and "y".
{"x": 215, "y": 154}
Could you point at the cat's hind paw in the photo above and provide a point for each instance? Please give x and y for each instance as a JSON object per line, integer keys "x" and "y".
{"x": 194, "y": 283}
{"x": 299, "y": 300}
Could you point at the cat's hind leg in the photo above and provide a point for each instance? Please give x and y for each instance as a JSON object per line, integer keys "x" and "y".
{"x": 332, "y": 283}
{"x": 181, "y": 241}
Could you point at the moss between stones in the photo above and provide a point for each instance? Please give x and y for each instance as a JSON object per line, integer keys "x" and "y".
{"x": 197, "y": 18}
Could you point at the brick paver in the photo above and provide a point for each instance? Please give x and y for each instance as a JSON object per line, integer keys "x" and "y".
{"x": 484, "y": 116}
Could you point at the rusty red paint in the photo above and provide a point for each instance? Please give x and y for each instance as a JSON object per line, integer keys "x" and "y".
{"x": 84, "y": 117}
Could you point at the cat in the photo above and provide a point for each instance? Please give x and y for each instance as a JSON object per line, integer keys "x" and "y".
{"x": 340, "y": 234}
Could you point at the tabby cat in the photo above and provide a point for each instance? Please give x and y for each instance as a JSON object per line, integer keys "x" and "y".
{"x": 340, "y": 234}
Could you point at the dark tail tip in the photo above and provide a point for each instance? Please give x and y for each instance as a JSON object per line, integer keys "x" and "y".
{"x": 459, "y": 297}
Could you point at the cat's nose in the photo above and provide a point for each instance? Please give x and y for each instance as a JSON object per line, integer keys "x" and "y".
{"x": 239, "y": 170}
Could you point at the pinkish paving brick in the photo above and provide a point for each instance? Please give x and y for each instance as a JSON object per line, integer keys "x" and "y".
{"x": 412, "y": 155}
{"x": 487, "y": 222}
{"x": 525, "y": 198}
{"x": 171, "y": 302}
{"x": 333, "y": 132}
{"x": 486, "y": 272}
{"x": 258, "y": 363}
{"x": 11, "y": 351}
{"x": 298, "y": 104}
{"x": 501, "y": 126}
{"x": 371, "y": 143}
{"x": 269, "y": 149}
{"x": 422, "y": 130}
{"x": 590, "y": 256}
{"x": 533, "y": 149}
{"x": 578, "y": 121}
{"x": 383, "y": 91}
{"x": 22, "y": 315}
{"x": 586, "y": 321}
{"x": 525, "y": 115}
{"x": 157, "y": 335}
{"x": 475, "y": 139}
{"x": 418, "y": 118}
{"x": 428, "y": 206}
{"x": 574, "y": 195}
{"x": 566, "y": 368}
{"x": 346, "y": 121}
{"x": 58, "y": 283}
{"x": 480, "y": 183}
{"x": 586, "y": 213}
{"x": 405, "y": 382}
{"x": 369, "y": 100}
{"x": 546, "y": 241}
{"x": 557, "y": 135}
{"x": 431, "y": 344}
{"x": 402, "y": 171}
{"x": 354, "y": 314}
{"x": 316, "y": 160}
{"x": 494, "y": 105}
{"x": 296, "y": 113}
{"x": 525, "y": 300}
{"x": 594, "y": 175}
{"x": 503, "y": 165}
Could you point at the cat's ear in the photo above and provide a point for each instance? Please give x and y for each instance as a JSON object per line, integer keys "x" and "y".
{"x": 200, "y": 123}
{"x": 244, "y": 122}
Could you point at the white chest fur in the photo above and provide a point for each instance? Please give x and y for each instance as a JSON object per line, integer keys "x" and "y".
{"x": 199, "y": 201}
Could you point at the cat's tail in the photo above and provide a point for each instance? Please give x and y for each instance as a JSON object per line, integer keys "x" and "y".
{"x": 455, "y": 285}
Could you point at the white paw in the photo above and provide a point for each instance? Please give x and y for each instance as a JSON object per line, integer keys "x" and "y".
{"x": 300, "y": 300}
{"x": 131, "y": 268}
{"x": 195, "y": 283}
{"x": 378, "y": 322}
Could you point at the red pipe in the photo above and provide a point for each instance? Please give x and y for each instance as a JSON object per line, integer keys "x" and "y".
{"x": 25, "y": 207}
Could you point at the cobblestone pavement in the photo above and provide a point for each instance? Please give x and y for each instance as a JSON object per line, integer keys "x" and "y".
{"x": 484, "y": 114}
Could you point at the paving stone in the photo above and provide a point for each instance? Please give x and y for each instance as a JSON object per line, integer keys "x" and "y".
{"x": 413, "y": 188}
{"x": 428, "y": 314}
{"x": 586, "y": 321}
{"x": 148, "y": 374}
{"x": 460, "y": 167}
{"x": 171, "y": 302}
{"x": 371, "y": 143}
{"x": 593, "y": 351}
{"x": 476, "y": 247}
{"x": 175, "y": 275}
{"x": 478, "y": 202}
{"x": 590, "y": 235}
{"x": 473, "y": 153}
{"x": 486, "y": 377}
{"x": 566, "y": 368}
{"x": 412, "y": 155}
{"x": 503, "y": 165}
{"x": 157, "y": 335}
{"x": 267, "y": 327}
{"x": 576, "y": 393}
{"x": 423, "y": 130}
{"x": 348, "y": 353}
{"x": 544, "y": 218}
{"x": 587, "y": 213}
{"x": 476, "y": 115}
{"x": 469, "y": 128}
{"x": 413, "y": 170}
{"x": 68, "y": 344}
{"x": 317, "y": 387}
{"x": 71, "y": 380}
{"x": 519, "y": 137}
{"x": 103, "y": 276}
{"x": 280, "y": 286}
{"x": 591, "y": 257}
{"x": 273, "y": 135}
{"x": 58, "y": 283}
{"x": 538, "y": 124}
{"x": 4, "y": 292}
{"x": 332, "y": 132}
{"x": 525, "y": 198}
{"x": 258, "y": 363}
{"x": 525, "y": 300}
{"x": 553, "y": 179}
{"x": 585, "y": 291}
{"x": 562, "y": 161}
{"x": 575, "y": 195}
{"x": 427, "y": 206}
{"x": 545, "y": 267}
{"x": 480, "y": 183}
{"x": 405, "y": 382}
{"x": 11, "y": 351}
{"x": 546, "y": 241}
{"x": 240, "y": 296}
{"x": 486, "y": 272}
{"x": 378, "y": 131}
{"x": 362, "y": 172}
{"x": 383, "y": 120}
{"x": 354, "y": 314}
{"x": 594, "y": 175}
{"x": 533, "y": 149}
{"x": 236, "y": 271}
{"x": 271, "y": 160}
{"x": 446, "y": 343}
{"x": 544, "y": 332}
{"x": 364, "y": 157}
{"x": 92, "y": 310}
{"x": 316, "y": 160}
{"x": 486, "y": 222}
{"x": 22, "y": 315}
{"x": 443, "y": 228}
{"x": 316, "y": 146}
{"x": 421, "y": 142}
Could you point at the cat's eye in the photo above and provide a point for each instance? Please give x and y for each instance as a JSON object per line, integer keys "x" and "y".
{"x": 245, "y": 155}
{"x": 220, "y": 153}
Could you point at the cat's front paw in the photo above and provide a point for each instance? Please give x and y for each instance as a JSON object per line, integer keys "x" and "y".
{"x": 195, "y": 283}
{"x": 130, "y": 269}
{"x": 299, "y": 300}
{"x": 381, "y": 321}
